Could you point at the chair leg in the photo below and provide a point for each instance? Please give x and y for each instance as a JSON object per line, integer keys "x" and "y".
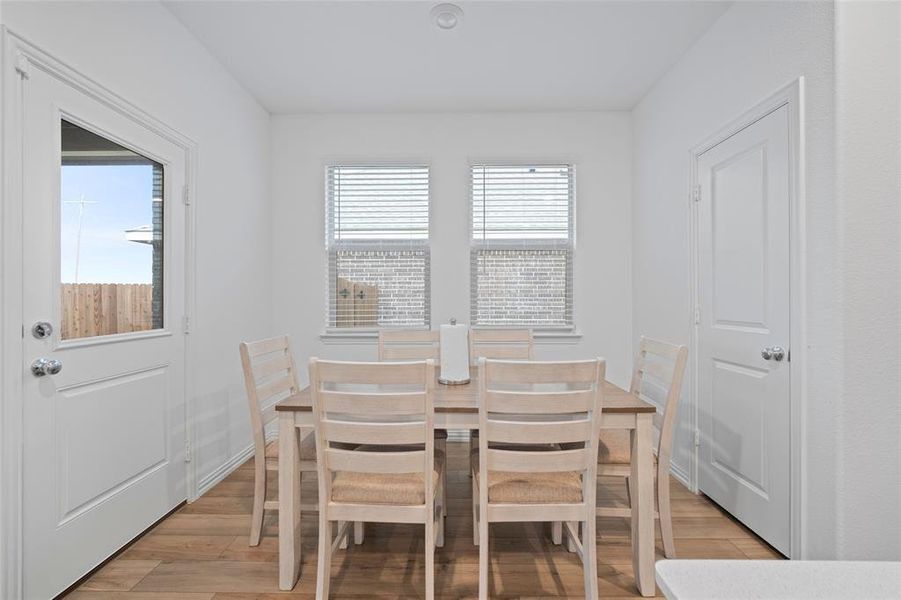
{"x": 475, "y": 510}
{"x": 589, "y": 556}
{"x": 343, "y": 544}
{"x": 430, "y": 553}
{"x": 358, "y": 532}
{"x": 259, "y": 498}
{"x": 570, "y": 542}
{"x": 324, "y": 561}
{"x": 442, "y": 497}
{"x": 557, "y": 532}
{"x": 483, "y": 559}
{"x": 666, "y": 518}
{"x": 629, "y": 491}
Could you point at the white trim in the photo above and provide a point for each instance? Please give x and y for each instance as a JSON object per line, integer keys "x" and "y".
{"x": 367, "y": 335}
{"x": 680, "y": 474}
{"x": 19, "y": 57}
{"x": 224, "y": 470}
{"x": 791, "y": 95}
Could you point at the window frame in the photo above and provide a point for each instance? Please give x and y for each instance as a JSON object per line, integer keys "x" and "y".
{"x": 333, "y": 247}
{"x": 526, "y": 244}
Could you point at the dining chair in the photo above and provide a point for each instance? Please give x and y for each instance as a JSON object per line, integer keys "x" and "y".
{"x": 270, "y": 375}
{"x": 657, "y": 379}
{"x": 410, "y": 344}
{"x": 520, "y": 473}
{"x": 394, "y": 475}
{"x": 500, "y": 344}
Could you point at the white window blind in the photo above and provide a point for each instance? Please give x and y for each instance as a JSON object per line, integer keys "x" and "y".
{"x": 522, "y": 245}
{"x": 377, "y": 232}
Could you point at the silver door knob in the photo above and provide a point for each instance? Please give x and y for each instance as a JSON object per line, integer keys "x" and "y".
{"x": 778, "y": 353}
{"x": 767, "y": 353}
{"x": 46, "y": 366}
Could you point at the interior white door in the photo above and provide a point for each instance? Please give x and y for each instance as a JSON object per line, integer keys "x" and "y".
{"x": 744, "y": 295}
{"x": 103, "y": 265}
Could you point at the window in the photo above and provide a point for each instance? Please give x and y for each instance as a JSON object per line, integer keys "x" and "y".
{"x": 377, "y": 232}
{"x": 522, "y": 245}
{"x": 111, "y": 237}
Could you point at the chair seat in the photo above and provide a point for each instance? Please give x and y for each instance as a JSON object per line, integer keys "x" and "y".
{"x": 402, "y": 489}
{"x": 564, "y": 487}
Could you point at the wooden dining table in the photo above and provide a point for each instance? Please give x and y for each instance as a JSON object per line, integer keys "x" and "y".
{"x": 457, "y": 407}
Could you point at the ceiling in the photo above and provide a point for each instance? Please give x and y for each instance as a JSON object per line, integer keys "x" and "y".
{"x": 380, "y": 56}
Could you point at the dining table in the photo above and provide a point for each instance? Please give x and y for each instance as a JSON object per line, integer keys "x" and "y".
{"x": 457, "y": 407}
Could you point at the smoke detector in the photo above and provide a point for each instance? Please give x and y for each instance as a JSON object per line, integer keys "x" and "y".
{"x": 447, "y": 16}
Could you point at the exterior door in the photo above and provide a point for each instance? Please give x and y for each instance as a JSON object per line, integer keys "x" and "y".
{"x": 103, "y": 296}
{"x": 744, "y": 295}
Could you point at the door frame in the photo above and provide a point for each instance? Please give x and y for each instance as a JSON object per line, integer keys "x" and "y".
{"x": 19, "y": 58}
{"x": 792, "y": 96}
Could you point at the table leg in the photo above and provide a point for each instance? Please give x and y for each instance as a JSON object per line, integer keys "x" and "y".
{"x": 288, "y": 501}
{"x": 643, "y": 504}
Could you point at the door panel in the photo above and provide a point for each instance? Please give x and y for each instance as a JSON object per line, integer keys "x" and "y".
{"x": 744, "y": 304}
{"x": 104, "y": 437}
{"x": 89, "y": 470}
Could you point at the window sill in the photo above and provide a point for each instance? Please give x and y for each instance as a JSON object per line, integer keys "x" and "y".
{"x": 365, "y": 336}
{"x": 371, "y": 336}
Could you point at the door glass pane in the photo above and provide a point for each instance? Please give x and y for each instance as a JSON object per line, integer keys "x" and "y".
{"x": 111, "y": 237}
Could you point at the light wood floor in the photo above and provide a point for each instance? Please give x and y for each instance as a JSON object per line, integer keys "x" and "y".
{"x": 201, "y": 552}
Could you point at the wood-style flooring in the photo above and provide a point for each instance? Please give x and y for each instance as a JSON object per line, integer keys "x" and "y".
{"x": 200, "y": 552}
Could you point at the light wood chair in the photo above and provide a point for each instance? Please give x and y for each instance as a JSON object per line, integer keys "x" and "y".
{"x": 520, "y": 473}
{"x": 395, "y": 475}
{"x": 659, "y": 369}
{"x": 270, "y": 375}
{"x": 411, "y": 344}
{"x": 512, "y": 344}
{"x": 500, "y": 344}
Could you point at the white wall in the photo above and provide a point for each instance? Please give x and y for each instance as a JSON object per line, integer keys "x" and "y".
{"x": 850, "y": 440}
{"x": 868, "y": 159}
{"x": 597, "y": 143}
{"x": 141, "y": 52}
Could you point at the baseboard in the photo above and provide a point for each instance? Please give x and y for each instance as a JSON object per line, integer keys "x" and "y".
{"x": 224, "y": 470}
{"x": 679, "y": 474}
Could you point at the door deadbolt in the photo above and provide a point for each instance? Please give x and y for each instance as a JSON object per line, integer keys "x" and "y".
{"x": 42, "y": 330}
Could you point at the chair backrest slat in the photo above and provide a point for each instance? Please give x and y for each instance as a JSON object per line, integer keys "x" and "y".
{"x": 524, "y": 432}
{"x": 408, "y": 344}
{"x": 658, "y": 375}
{"x": 351, "y": 432}
{"x": 269, "y": 375}
{"x": 360, "y": 461}
{"x": 500, "y": 344}
{"x": 520, "y": 461}
{"x": 523, "y": 403}
{"x": 373, "y": 404}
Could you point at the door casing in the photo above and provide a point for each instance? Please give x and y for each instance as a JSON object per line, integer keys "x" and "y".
{"x": 792, "y": 96}
{"x": 19, "y": 58}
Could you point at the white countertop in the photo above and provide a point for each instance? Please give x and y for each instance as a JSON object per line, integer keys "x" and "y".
{"x": 778, "y": 580}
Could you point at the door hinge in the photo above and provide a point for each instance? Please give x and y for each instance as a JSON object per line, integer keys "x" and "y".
{"x": 186, "y": 324}
{"x": 697, "y": 439}
{"x": 186, "y": 195}
{"x": 697, "y": 315}
{"x": 22, "y": 65}
{"x": 187, "y": 451}
{"x": 696, "y": 193}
